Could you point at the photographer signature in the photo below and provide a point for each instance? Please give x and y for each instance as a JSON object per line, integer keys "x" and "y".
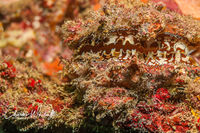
{"x": 32, "y": 114}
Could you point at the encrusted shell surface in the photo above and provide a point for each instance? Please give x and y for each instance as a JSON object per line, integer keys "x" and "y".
{"x": 147, "y": 31}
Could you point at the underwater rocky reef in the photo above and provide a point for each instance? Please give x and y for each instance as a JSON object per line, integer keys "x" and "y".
{"x": 98, "y": 66}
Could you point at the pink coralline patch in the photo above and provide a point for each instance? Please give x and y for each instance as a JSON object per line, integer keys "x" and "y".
{"x": 116, "y": 92}
{"x": 110, "y": 102}
{"x": 39, "y": 101}
{"x": 163, "y": 107}
{"x": 74, "y": 31}
{"x": 58, "y": 105}
{"x": 114, "y": 98}
{"x": 194, "y": 69}
{"x": 154, "y": 120}
{"x": 180, "y": 81}
{"x": 68, "y": 39}
{"x": 32, "y": 83}
{"x": 23, "y": 25}
{"x": 170, "y": 4}
{"x": 75, "y": 28}
{"x": 157, "y": 70}
{"x": 35, "y": 85}
{"x": 67, "y": 53}
{"x": 181, "y": 126}
{"x": 198, "y": 127}
{"x": 9, "y": 71}
{"x": 32, "y": 108}
{"x": 137, "y": 119}
{"x": 162, "y": 94}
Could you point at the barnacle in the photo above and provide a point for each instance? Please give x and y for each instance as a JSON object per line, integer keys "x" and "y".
{"x": 146, "y": 31}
